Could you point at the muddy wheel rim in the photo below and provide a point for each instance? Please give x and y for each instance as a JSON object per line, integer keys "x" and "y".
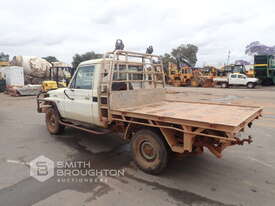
{"x": 147, "y": 151}
{"x": 52, "y": 120}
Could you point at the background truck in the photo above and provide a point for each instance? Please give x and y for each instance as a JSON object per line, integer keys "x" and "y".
{"x": 124, "y": 92}
{"x": 264, "y": 68}
{"x": 231, "y": 68}
{"x": 236, "y": 79}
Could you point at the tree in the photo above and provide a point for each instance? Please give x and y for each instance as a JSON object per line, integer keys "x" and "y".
{"x": 166, "y": 58}
{"x": 186, "y": 53}
{"x": 256, "y": 48}
{"x": 50, "y": 59}
{"x": 78, "y": 58}
{"x": 242, "y": 62}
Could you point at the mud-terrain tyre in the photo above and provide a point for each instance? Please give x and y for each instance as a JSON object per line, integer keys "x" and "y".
{"x": 52, "y": 121}
{"x": 250, "y": 85}
{"x": 224, "y": 84}
{"x": 149, "y": 151}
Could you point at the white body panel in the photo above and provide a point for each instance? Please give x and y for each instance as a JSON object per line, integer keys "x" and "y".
{"x": 81, "y": 107}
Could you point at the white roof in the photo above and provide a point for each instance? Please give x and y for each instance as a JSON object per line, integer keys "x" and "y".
{"x": 92, "y": 61}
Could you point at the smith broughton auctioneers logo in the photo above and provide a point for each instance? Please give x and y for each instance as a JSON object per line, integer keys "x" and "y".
{"x": 42, "y": 168}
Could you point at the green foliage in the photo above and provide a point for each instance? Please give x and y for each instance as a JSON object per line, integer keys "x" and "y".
{"x": 50, "y": 59}
{"x": 186, "y": 52}
{"x": 78, "y": 58}
{"x": 4, "y": 57}
{"x": 166, "y": 58}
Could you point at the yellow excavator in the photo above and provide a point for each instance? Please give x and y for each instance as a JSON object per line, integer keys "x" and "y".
{"x": 55, "y": 81}
{"x": 179, "y": 76}
{"x": 204, "y": 76}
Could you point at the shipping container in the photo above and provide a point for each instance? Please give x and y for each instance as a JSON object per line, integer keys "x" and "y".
{"x": 14, "y": 75}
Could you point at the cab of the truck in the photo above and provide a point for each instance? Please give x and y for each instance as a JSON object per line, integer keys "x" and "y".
{"x": 78, "y": 101}
{"x": 101, "y": 84}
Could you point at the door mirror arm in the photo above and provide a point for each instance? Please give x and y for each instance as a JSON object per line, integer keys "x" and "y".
{"x": 68, "y": 95}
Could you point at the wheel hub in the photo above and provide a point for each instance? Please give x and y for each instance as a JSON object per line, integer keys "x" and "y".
{"x": 147, "y": 150}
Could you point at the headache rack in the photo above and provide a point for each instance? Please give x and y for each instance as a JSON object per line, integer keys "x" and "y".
{"x": 125, "y": 70}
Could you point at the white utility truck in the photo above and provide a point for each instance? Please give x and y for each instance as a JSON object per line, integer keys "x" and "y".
{"x": 124, "y": 93}
{"x": 236, "y": 79}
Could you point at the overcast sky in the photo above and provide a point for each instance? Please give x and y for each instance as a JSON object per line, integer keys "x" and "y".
{"x": 63, "y": 27}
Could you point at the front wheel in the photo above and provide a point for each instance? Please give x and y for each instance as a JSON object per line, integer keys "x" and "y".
{"x": 52, "y": 122}
{"x": 149, "y": 151}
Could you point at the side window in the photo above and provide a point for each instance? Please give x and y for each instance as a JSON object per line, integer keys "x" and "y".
{"x": 84, "y": 78}
{"x": 234, "y": 76}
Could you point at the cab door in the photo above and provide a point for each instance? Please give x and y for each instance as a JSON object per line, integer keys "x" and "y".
{"x": 233, "y": 79}
{"x": 78, "y": 104}
{"x": 242, "y": 79}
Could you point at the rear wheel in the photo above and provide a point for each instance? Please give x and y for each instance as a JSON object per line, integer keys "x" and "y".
{"x": 149, "y": 151}
{"x": 224, "y": 85}
{"x": 52, "y": 122}
{"x": 250, "y": 85}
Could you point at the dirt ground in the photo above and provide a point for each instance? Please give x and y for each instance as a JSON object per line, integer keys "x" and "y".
{"x": 245, "y": 176}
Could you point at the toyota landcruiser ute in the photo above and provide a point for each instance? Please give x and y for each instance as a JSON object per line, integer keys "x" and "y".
{"x": 124, "y": 93}
{"x": 236, "y": 79}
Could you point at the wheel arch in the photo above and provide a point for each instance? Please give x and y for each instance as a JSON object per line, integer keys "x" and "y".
{"x": 253, "y": 84}
{"x": 164, "y": 134}
{"x": 53, "y": 105}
